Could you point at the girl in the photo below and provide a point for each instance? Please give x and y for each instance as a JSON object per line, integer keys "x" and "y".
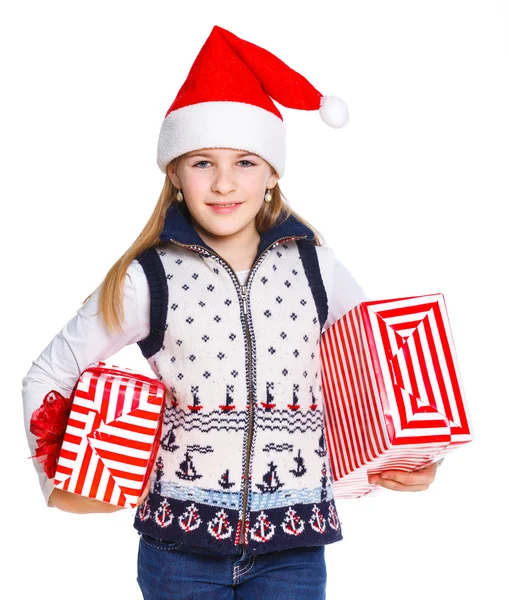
{"x": 226, "y": 291}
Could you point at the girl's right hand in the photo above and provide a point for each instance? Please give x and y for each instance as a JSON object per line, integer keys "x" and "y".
{"x": 69, "y": 502}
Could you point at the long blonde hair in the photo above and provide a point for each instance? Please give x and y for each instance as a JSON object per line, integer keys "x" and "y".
{"x": 111, "y": 291}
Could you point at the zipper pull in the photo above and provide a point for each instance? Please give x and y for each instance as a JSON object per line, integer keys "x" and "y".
{"x": 244, "y": 295}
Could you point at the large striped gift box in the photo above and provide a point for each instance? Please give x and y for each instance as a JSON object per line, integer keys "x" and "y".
{"x": 393, "y": 397}
{"x": 112, "y": 435}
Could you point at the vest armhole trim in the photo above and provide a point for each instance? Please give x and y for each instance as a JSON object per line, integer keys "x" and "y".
{"x": 307, "y": 251}
{"x": 158, "y": 288}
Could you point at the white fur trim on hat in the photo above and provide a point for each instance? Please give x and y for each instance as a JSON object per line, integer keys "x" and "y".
{"x": 223, "y": 125}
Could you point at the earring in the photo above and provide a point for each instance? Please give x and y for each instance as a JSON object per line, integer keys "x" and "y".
{"x": 268, "y": 196}
{"x": 179, "y": 196}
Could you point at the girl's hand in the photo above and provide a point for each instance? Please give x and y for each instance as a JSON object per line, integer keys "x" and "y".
{"x": 400, "y": 481}
{"x": 69, "y": 502}
{"x": 144, "y": 495}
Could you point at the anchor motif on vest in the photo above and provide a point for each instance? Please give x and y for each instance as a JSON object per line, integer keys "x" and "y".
{"x": 196, "y": 405}
{"x": 317, "y": 520}
{"x": 263, "y": 529}
{"x": 270, "y": 396}
{"x": 190, "y": 518}
{"x": 295, "y": 402}
{"x": 313, "y": 405}
{"x": 229, "y": 399}
{"x": 187, "y": 469}
{"x": 225, "y": 482}
{"x": 292, "y": 523}
{"x": 301, "y": 469}
{"x": 164, "y": 515}
{"x": 322, "y": 450}
{"x": 271, "y": 480}
{"x": 144, "y": 510}
{"x": 333, "y": 518}
{"x": 219, "y": 527}
{"x": 167, "y": 442}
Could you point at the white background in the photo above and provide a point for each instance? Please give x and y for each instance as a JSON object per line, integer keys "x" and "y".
{"x": 409, "y": 194}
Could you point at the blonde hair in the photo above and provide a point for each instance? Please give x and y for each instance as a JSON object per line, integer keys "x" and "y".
{"x": 111, "y": 291}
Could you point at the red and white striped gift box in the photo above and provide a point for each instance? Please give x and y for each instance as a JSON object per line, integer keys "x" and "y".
{"x": 393, "y": 398}
{"x": 112, "y": 435}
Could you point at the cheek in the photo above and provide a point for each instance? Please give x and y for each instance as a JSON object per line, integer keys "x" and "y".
{"x": 196, "y": 190}
{"x": 253, "y": 187}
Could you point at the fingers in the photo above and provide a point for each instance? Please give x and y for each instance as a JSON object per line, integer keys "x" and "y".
{"x": 416, "y": 481}
{"x": 392, "y": 484}
{"x": 141, "y": 499}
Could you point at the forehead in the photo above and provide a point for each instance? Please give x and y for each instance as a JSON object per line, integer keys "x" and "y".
{"x": 220, "y": 152}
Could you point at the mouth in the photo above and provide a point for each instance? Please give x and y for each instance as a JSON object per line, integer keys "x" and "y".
{"x": 224, "y": 208}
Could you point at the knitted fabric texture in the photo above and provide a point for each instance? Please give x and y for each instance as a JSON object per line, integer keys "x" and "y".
{"x": 242, "y": 368}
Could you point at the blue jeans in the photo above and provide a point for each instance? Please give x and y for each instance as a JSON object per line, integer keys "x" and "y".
{"x": 178, "y": 571}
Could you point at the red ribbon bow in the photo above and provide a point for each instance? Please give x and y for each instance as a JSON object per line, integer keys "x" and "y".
{"x": 48, "y": 424}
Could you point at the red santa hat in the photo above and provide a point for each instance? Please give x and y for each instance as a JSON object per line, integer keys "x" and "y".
{"x": 225, "y": 102}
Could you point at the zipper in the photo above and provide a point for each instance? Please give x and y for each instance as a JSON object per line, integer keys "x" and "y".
{"x": 251, "y": 413}
{"x": 243, "y": 291}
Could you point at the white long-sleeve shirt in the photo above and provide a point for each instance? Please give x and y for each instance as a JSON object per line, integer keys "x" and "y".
{"x": 84, "y": 339}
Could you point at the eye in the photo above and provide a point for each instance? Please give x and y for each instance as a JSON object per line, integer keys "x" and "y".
{"x": 249, "y": 163}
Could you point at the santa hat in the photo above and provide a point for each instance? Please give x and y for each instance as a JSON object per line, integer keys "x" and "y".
{"x": 225, "y": 102}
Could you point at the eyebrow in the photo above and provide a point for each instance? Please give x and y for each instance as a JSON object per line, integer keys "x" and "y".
{"x": 210, "y": 154}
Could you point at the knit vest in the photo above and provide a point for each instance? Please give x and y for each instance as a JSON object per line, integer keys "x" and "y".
{"x": 243, "y": 459}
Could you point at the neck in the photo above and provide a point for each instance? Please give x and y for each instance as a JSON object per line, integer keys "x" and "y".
{"x": 239, "y": 249}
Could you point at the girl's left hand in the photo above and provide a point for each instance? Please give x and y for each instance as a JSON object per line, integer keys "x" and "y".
{"x": 401, "y": 481}
{"x": 141, "y": 499}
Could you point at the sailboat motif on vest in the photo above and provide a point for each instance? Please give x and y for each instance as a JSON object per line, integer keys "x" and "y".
{"x": 313, "y": 405}
{"x": 270, "y": 396}
{"x": 272, "y": 483}
{"x": 321, "y": 451}
{"x": 187, "y": 469}
{"x": 225, "y": 482}
{"x": 167, "y": 443}
{"x": 229, "y": 399}
{"x": 301, "y": 469}
{"x": 295, "y": 401}
{"x": 196, "y": 405}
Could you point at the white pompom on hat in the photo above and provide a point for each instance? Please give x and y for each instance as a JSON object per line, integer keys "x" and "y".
{"x": 226, "y": 102}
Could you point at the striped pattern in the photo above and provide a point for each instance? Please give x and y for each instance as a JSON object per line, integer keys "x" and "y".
{"x": 393, "y": 398}
{"x": 112, "y": 435}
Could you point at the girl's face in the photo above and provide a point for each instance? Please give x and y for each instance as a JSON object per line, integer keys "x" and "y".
{"x": 219, "y": 176}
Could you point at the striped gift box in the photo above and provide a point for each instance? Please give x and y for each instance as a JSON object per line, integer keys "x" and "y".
{"x": 112, "y": 435}
{"x": 393, "y": 397}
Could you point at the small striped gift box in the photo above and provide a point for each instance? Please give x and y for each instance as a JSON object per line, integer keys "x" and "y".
{"x": 393, "y": 398}
{"x": 112, "y": 435}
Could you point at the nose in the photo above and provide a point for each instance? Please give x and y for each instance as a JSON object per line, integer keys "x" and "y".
{"x": 224, "y": 180}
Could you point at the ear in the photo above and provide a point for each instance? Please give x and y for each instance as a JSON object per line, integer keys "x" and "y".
{"x": 172, "y": 174}
{"x": 272, "y": 180}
